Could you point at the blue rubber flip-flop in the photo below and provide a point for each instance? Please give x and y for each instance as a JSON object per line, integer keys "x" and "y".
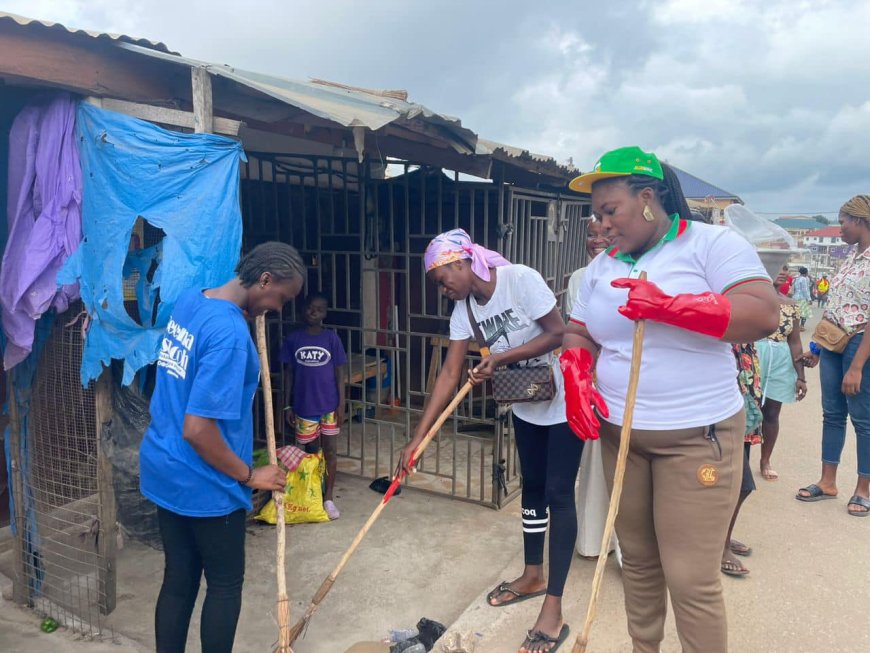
{"x": 815, "y": 493}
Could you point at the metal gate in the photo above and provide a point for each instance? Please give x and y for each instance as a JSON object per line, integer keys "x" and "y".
{"x": 547, "y": 232}
{"x": 362, "y": 229}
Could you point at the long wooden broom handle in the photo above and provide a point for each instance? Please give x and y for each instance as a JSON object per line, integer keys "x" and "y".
{"x": 582, "y": 640}
{"x": 283, "y": 603}
{"x": 327, "y": 584}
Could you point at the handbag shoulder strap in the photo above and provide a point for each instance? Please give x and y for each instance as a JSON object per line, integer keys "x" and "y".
{"x": 481, "y": 341}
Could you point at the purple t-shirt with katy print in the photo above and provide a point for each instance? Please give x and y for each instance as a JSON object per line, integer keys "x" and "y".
{"x": 313, "y": 359}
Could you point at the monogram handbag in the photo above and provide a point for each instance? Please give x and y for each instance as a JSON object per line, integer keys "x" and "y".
{"x": 516, "y": 384}
{"x": 830, "y": 336}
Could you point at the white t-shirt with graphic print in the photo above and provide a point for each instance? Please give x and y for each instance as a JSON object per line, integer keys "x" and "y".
{"x": 521, "y": 298}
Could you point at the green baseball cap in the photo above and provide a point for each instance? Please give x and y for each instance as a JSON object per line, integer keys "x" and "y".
{"x": 619, "y": 163}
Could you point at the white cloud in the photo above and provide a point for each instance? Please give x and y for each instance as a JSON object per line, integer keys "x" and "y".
{"x": 766, "y": 98}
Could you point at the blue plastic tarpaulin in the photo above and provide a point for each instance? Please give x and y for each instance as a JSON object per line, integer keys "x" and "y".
{"x": 185, "y": 184}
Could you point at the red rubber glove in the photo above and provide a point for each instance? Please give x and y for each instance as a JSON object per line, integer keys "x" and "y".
{"x": 580, "y": 395}
{"x": 707, "y": 313}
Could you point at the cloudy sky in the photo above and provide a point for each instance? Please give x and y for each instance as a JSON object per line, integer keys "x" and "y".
{"x": 769, "y": 99}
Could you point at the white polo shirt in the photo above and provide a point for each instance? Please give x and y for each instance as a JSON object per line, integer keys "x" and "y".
{"x": 686, "y": 379}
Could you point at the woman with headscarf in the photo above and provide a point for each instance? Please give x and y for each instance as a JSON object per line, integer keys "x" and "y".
{"x": 845, "y": 387}
{"x": 706, "y": 288}
{"x": 517, "y": 315}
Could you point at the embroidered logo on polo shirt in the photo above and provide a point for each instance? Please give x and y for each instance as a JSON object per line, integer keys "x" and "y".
{"x": 708, "y": 475}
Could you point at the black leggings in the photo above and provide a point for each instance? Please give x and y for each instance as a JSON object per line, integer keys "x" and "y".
{"x": 191, "y": 546}
{"x": 549, "y": 460}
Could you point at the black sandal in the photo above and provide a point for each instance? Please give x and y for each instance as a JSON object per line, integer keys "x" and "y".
{"x": 504, "y": 587}
{"x": 857, "y": 500}
{"x": 537, "y": 637}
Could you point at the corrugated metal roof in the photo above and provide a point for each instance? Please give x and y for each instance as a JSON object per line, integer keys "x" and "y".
{"x": 345, "y": 105}
{"x": 487, "y": 147}
{"x": 45, "y": 24}
{"x": 696, "y": 188}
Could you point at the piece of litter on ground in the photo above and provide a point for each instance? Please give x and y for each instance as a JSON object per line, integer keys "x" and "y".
{"x": 460, "y": 643}
{"x": 401, "y": 634}
{"x": 412, "y": 645}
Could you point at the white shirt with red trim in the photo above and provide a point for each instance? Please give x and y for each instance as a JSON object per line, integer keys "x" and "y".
{"x": 686, "y": 379}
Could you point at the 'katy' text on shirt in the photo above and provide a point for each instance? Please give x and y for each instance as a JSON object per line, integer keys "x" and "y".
{"x": 312, "y": 356}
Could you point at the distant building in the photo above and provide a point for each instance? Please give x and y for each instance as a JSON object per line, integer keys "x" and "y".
{"x": 826, "y": 247}
{"x": 704, "y": 196}
{"x": 799, "y": 225}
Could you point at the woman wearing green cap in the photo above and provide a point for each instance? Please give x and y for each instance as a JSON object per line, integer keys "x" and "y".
{"x": 705, "y": 288}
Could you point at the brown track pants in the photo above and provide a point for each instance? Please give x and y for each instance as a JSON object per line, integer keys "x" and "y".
{"x": 680, "y": 491}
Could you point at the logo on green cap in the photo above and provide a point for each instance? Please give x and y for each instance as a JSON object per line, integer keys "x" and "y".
{"x": 630, "y": 161}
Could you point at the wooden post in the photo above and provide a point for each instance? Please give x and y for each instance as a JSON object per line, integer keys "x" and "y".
{"x": 20, "y": 584}
{"x": 107, "y": 539}
{"x": 203, "y": 121}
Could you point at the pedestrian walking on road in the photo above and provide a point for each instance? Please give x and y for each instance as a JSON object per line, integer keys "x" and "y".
{"x": 516, "y": 312}
{"x": 706, "y": 288}
{"x": 841, "y": 346}
{"x": 822, "y": 288}
{"x": 801, "y": 292}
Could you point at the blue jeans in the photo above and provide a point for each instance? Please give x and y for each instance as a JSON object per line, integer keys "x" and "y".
{"x": 836, "y": 407}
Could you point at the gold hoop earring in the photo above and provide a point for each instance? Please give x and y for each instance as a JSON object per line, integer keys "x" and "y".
{"x": 648, "y": 215}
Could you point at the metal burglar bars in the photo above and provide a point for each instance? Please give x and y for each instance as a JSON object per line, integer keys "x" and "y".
{"x": 547, "y": 232}
{"x": 362, "y": 229}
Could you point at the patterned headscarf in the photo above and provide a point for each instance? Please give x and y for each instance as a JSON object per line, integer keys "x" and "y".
{"x": 456, "y": 245}
{"x": 858, "y": 207}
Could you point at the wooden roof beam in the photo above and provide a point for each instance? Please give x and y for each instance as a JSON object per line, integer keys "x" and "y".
{"x": 87, "y": 67}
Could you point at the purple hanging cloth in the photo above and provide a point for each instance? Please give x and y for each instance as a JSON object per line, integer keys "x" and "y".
{"x": 45, "y": 219}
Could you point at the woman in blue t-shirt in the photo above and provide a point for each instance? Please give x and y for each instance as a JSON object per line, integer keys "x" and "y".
{"x": 195, "y": 459}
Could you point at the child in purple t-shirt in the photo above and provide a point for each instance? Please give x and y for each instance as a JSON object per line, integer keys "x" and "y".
{"x": 314, "y": 376}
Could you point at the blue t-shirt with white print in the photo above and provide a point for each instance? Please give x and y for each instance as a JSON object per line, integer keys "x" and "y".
{"x": 208, "y": 367}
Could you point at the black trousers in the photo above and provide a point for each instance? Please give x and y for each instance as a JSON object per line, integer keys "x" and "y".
{"x": 191, "y": 546}
{"x": 549, "y": 461}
